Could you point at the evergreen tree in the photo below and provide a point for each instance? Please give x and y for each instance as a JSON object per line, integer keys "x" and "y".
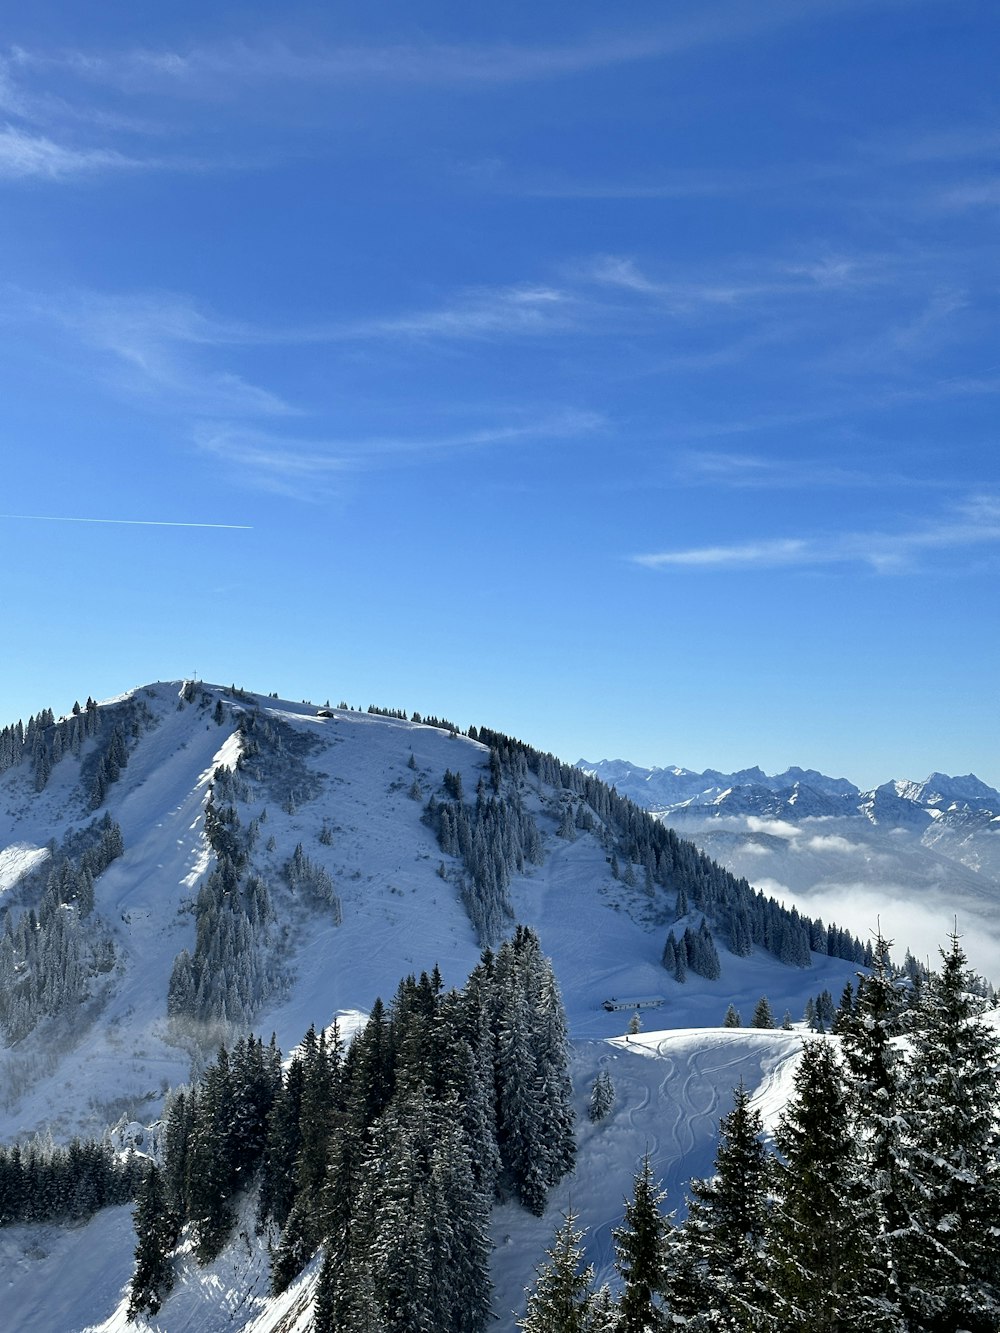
{"x": 947, "y": 1252}
{"x": 602, "y": 1096}
{"x": 732, "y": 1018}
{"x": 156, "y": 1228}
{"x": 563, "y": 1299}
{"x": 281, "y": 1149}
{"x": 715, "y": 1265}
{"x": 762, "y": 1015}
{"x": 211, "y": 1179}
{"x": 640, "y": 1247}
{"x": 533, "y": 1090}
{"x": 867, "y": 1025}
{"x": 823, "y": 1266}
{"x": 846, "y": 1007}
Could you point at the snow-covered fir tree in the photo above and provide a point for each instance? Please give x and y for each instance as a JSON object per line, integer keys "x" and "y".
{"x": 640, "y": 1250}
{"x": 715, "y": 1266}
{"x": 948, "y": 1249}
{"x": 602, "y": 1096}
{"x": 563, "y": 1298}
{"x": 823, "y": 1266}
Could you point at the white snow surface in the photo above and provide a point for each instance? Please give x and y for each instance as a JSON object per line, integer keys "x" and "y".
{"x": 16, "y": 860}
{"x": 672, "y": 1085}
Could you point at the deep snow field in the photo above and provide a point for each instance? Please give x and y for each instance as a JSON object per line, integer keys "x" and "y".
{"x": 672, "y": 1084}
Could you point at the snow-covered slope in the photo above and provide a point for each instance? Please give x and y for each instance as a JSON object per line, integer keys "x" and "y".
{"x": 671, "y": 1087}
{"x": 350, "y": 788}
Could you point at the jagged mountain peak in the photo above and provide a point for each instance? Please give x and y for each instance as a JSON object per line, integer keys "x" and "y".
{"x": 941, "y": 789}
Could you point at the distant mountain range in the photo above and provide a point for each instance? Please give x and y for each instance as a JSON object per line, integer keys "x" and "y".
{"x": 922, "y": 853}
{"x": 799, "y": 793}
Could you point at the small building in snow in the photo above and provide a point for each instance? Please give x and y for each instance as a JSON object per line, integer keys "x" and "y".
{"x": 613, "y": 1003}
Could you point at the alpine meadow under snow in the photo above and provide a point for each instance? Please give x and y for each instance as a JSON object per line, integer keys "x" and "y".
{"x": 503, "y": 999}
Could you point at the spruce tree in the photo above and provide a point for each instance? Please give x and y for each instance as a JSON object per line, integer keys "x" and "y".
{"x": 822, "y": 1267}
{"x": 563, "y": 1299}
{"x": 211, "y": 1179}
{"x": 715, "y": 1262}
{"x": 948, "y": 1251}
{"x": 156, "y": 1229}
{"x": 640, "y": 1247}
{"x": 867, "y": 1024}
{"x": 602, "y": 1096}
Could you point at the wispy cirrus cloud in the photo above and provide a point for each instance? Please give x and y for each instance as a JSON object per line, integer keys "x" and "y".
{"x": 146, "y": 349}
{"x": 767, "y": 472}
{"x": 131, "y": 322}
{"x": 24, "y": 155}
{"x": 166, "y": 349}
{"x": 973, "y": 524}
{"x": 972, "y": 194}
{"x": 838, "y": 274}
{"x": 221, "y": 69}
{"x": 517, "y": 311}
{"x": 955, "y": 143}
{"x": 311, "y": 469}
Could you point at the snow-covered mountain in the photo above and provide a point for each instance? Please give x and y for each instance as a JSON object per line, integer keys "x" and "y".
{"x": 800, "y": 791}
{"x": 666, "y": 789}
{"x": 364, "y": 854}
{"x": 916, "y": 853}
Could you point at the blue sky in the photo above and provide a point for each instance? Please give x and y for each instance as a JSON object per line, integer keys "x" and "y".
{"x": 624, "y": 377}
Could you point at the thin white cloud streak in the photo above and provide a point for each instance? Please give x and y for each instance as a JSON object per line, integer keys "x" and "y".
{"x": 972, "y": 195}
{"x": 24, "y": 155}
{"x": 529, "y": 311}
{"x": 44, "y": 109}
{"x": 140, "y": 328}
{"x": 127, "y": 522}
{"x": 761, "y": 554}
{"x": 875, "y": 160}
{"x": 219, "y": 70}
{"x": 975, "y": 523}
{"x": 147, "y": 340}
{"x": 304, "y": 469}
{"x": 832, "y": 274}
{"x": 904, "y": 341}
{"x": 681, "y": 183}
{"x": 745, "y": 471}
{"x": 28, "y": 156}
{"x": 477, "y": 314}
{"x": 957, "y": 144}
{"x": 166, "y": 380}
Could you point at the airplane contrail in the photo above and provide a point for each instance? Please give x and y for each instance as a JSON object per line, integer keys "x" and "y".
{"x": 132, "y": 522}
